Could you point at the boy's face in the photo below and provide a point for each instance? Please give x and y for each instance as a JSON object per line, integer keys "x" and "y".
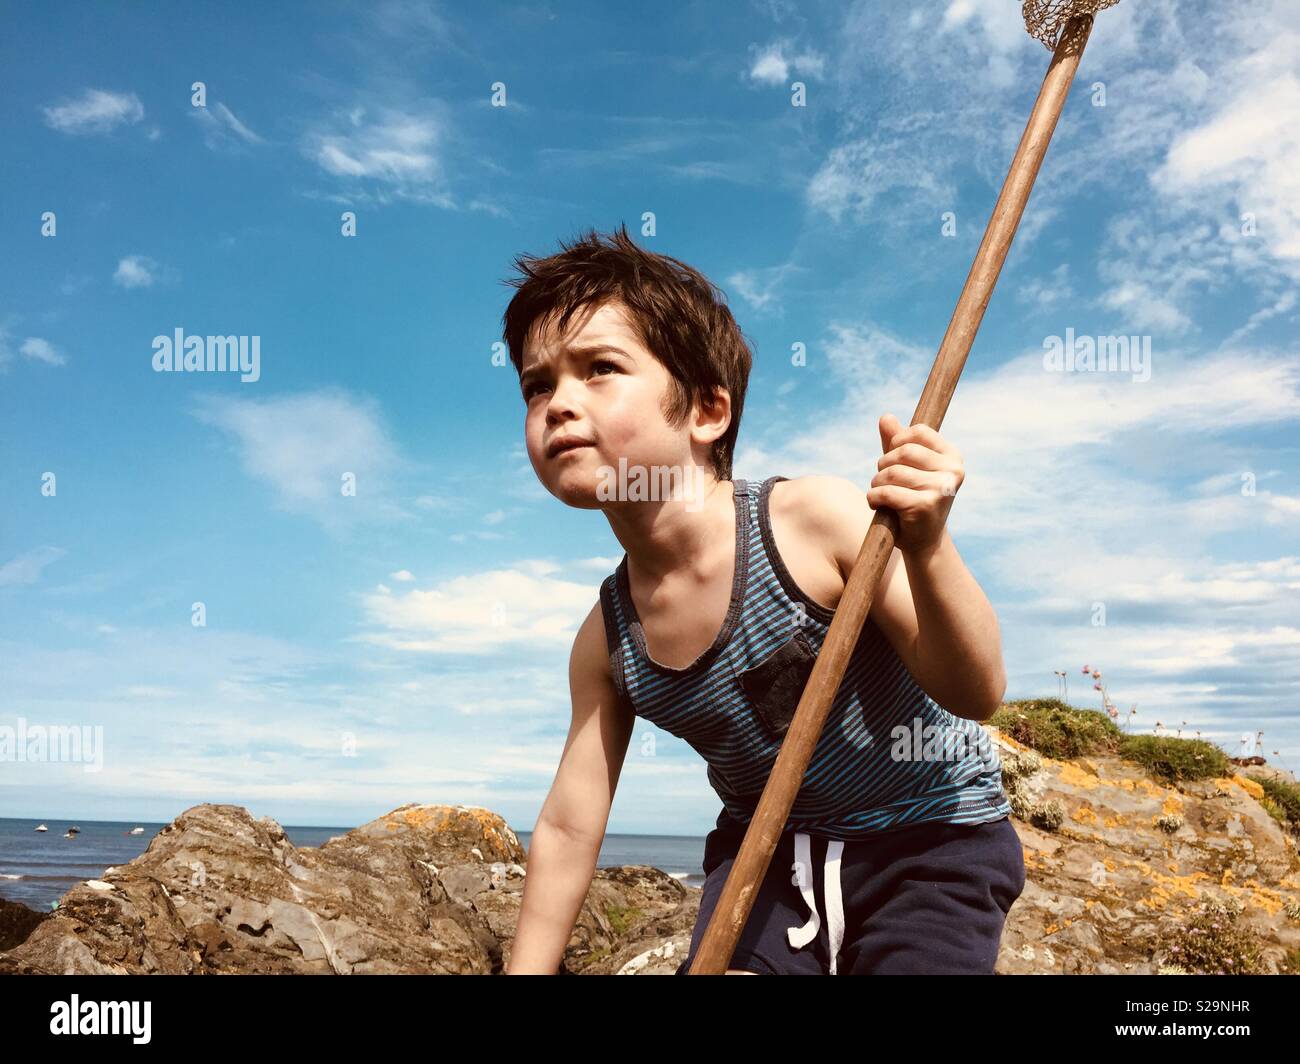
{"x": 600, "y": 385}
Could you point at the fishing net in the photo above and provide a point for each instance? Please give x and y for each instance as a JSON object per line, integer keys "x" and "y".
{"x": 1045, "y": 19}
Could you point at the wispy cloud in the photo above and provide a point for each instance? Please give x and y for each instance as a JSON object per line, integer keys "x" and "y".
{"x": 95, "y": 111}
{"x": 27, "y": 568}
{"x": 42, "y": 351}
{"x": 326, "y": 454}
{"x": 221, "y": 129}
{"x": 136, "y": 271}
{"x": 393, "y": 154}
{"x": 528, "y": 604}
{"x": 773, "y": 63}
{"x": 33, "y": 348}
{"x": 759, "y": 287}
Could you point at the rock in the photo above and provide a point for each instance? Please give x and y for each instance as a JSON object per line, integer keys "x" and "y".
{"x": 438, "y": 888}
{"x": 17, "y": 922}
{"x": 425, "y": 889}
{"x": 1107, "y": 891}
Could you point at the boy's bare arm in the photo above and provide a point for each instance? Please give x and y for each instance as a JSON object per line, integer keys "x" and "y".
{"x": 565, "y": 843}
{"x": 929, "y": 605}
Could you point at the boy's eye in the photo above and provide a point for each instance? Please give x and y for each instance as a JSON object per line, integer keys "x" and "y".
{"x": 531, "y": 390}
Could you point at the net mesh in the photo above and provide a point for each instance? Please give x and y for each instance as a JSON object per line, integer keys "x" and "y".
{"x": 1045, "y": 19}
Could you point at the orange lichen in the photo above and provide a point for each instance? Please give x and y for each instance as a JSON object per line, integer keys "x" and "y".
{"x": 1249, "y": 786}
{"x": 1072, "y": 775}
{"x": 1085, "y": 814}
{"x": 1172, "y": 805}
{"x": 1146, "y": 785}
{"x": 1271, "y": 901}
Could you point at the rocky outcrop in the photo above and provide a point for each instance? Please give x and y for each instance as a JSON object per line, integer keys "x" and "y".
{"x": 428, "y": 889}
{"x": 1114, "y": 887}
{"x": 1114, "y": 875}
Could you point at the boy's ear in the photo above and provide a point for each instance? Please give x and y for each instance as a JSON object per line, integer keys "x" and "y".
{"x": 714, "y": 414}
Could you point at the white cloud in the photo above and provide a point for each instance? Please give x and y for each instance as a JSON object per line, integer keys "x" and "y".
{"x": 136, "y": 271}
{"x": 33, "y": 348}
{"x": 1145, "y": 308}
{"x": 302, "y": 446}
{"x": 1047, "y": 291}
{"x": 399, "y": 151}
{"x": 221, "y": 129}
{"x": 758, "y": 287}
{"x": 858, "y": 173}
{"x": 27, "y": 568}
{"x": 403, "y": 576}
{"x": 1248, "y": 146}
{"x": 772, "y": 66}
{"x": 525, "y": 605}
{"x": 96, "y": 111}
{"x": 42, "y": 351}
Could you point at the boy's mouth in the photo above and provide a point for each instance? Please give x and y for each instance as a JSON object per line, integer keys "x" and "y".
{"x": 565, "y": 443}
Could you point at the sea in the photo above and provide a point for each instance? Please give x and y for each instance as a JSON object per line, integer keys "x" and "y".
{"x": 39, "y": 867}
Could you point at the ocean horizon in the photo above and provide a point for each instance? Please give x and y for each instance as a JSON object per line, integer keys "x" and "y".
{"x": 39, "y": 867}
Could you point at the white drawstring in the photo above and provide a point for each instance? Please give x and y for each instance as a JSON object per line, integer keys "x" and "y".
{"x": 801, "y": 936}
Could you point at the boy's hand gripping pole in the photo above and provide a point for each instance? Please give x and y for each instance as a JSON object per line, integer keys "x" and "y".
{"x": 765, "y": 828}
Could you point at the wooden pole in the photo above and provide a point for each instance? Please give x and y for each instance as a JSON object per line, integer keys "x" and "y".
{"x": 768, "y": 822}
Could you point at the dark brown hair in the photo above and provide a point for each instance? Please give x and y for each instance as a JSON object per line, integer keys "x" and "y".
{"x": 680, "y": 316}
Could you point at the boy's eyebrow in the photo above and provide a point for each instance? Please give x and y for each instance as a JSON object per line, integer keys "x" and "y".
{"x": 576, "y": 349}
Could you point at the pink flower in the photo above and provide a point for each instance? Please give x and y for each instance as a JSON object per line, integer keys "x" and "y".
{"x": 1096, "y": 674}
{"x": 1096, "y": 687}
{"x": 1086, "y": 669}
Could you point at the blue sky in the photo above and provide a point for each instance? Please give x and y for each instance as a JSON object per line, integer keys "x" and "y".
{"x": 350, "y": 661}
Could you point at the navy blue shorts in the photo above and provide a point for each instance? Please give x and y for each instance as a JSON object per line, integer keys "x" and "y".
{"x": 925, "y": 899}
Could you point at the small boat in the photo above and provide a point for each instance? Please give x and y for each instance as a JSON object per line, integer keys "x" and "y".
{"x": 72, "y": 832}
{"x": 42, "y": 827}
{"x": 136, "y": 831}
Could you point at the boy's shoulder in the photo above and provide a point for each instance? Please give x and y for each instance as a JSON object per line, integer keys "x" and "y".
{"x": 589, "y": 657}
{"x": 831, "y": 511}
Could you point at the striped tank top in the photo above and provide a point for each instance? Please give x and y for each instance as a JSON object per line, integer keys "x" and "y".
{"x": 889, "y": 756}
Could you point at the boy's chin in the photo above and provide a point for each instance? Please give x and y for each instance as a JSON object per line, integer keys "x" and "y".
{"x": 578, "y": 488}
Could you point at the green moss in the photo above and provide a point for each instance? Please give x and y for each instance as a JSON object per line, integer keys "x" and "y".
{"x": 1282, "y": 800}
{"x": 621, "y": 917}
{"x": 577, "y": 964}
{"x": 1171, "y": 760}
{"x": 1058, "y": 730}
{"x": 1063, "y": 732}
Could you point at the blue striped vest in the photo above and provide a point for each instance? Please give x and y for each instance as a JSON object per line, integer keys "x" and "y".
{"x": 888, "y": 756}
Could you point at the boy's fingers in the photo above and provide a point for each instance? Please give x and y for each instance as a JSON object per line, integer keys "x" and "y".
{"x": 915, "y": 454}
{"x": 888, "y": 427}
{"x": 925, "y": 436}
{"x": 894, "y": 496}
{"x": 911, "y": 477}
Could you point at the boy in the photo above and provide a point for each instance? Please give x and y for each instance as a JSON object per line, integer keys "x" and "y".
{"x": 899, "y": 835}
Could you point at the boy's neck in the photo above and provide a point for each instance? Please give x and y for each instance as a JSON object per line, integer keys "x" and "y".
{"x": 666, "y": 537}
